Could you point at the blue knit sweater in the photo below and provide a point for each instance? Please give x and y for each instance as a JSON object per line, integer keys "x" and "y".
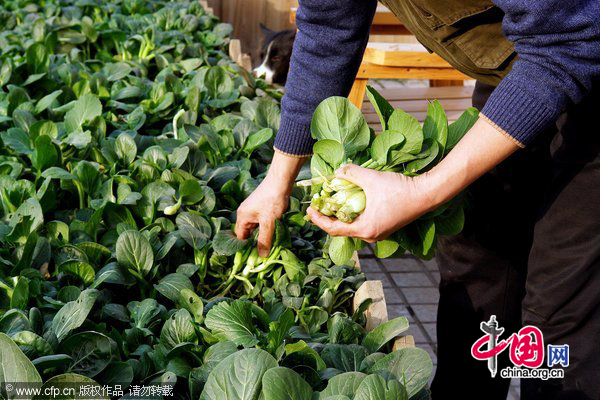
{"x": 558, "y": 43}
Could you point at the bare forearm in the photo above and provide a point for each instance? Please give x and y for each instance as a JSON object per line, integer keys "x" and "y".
{"x": 480, "y": 150}
{"x": 283, "y": 170}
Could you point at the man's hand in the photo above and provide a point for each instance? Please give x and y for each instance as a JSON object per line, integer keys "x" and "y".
{"x": 393, "y": 200}
{"x": 268, "y": 202}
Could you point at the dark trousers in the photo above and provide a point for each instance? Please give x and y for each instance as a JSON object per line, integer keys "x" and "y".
{"x": 529, "y": 254}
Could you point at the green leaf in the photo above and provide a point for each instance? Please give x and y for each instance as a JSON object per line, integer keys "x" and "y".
{"x": 31, "y": 344}
{"x": 232, "y": 321}
{"x": 268, "y": 114}
{"x": 20, "y": 295}
{"x": 384, "y": 332}
{"x": 460, "y": 127}
{"x": 301, "y": 350}
{"x": 426, "y": 157}
{"x": 79, "y": 139}
{"x": 17, "y": 140}
{"x": 412, "y": 366}
{"x": 116, "y": 71}
{"x": 450, "y": 222}
{"x": 239, "y": 376}
{"x": 227, "y": 244}
{"x": 70, "y": 380}
{"x": 14, "y": 321}
{"x": 330, "y": 151}
{"x": 383, "y": 109}
{"x": 189, "y": 300}
{"x": 135, "y": 252}
{"x": 57, "y": 173}
{"x": 73, "y": 314}
{"x": 257, "y": 139}
{"x": 426, "y": 229}
{"x": 40, "y": 128}
{"x": 344, "y": 357}
{"x": 143, "y": 312}
{"x": 385, "y": 248}
{"x": 125, "y": 148}
{"x": 375, "y": 387}
{"x": 44, "y": 153}
{"x": 338, "y": 119}
{"x": 82, "y": 270}
{"x": 37, "y": 58}
{"x": 179, "y": 328}
{"x": 5, "y": 71}
{"x": 91, "y": 352}
{"x": 283, "y": 383}
{"x": 46, "y": 101}
{"x": 190, "y": 191}
{"x": 384, "y": 143}
{"x": 436, "y": 124}
{"x": 341, "y": 249}
{"x": 410, "y": 128}
{"x": 344, "y": 384}
{"x": 14, "y": 365}
{"x": 84, "y": 110}
{"x": 194, "y": 229}
{"x": 172, "y": 284}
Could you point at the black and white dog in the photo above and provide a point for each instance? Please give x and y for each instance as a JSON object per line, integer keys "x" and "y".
{"x": 275, "y": 54}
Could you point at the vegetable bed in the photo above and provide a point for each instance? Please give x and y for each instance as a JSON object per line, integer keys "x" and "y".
{"x": 128, "y": 140}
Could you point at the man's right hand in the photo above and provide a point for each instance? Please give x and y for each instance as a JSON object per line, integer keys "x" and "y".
{"x": 268, "y": 202}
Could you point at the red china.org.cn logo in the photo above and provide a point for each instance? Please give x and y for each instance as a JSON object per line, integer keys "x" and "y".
{"x": 526, "y": 349}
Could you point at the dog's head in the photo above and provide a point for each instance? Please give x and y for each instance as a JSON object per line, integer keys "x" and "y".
{"x": 275, "y": 55}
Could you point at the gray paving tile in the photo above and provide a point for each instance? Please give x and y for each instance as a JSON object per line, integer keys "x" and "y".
{"x": 425, "y": 313}
{"x": 422, "y": 295}
{"x": 369, "y": 265}
{"x": 431, "y": 264}
{"x": 430, "y": 328}
{"x": 408, "y": 279}
{"x": 417, "y": 333}
{"x": 380, "y": 276}
{"x": 396, "y": 310}
{"x": 367, "y": 250}
{"x": 402, "y": 265}
{"x": 430, "y": 351}
{"x": 436, "y": 276}
{"x": 392, "y": 296}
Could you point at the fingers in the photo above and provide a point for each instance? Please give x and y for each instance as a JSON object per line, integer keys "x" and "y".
{"x": 358, "y": 175}
{"x": 265, "y": 236}
{"x": 244, "y": 226}
{"x": 330, "y": 225}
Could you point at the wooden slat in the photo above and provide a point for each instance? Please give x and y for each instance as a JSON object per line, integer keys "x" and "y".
{"x": 404, "y": 59}
{"x": 373, "y": 71}
{"x": 403, "y": 342}
{"x": 377, "y": 312}
{"x": 420, "y": 93}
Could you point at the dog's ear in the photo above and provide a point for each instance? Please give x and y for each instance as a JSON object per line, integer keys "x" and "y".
{"x": 266, "y": 31}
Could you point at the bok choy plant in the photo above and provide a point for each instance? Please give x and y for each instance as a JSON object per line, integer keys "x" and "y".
{"x": 403, "y": 146}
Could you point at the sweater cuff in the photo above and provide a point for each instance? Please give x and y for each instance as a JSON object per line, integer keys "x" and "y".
{"x": 518, "y": 113}
{"x": 294, "y": 138}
